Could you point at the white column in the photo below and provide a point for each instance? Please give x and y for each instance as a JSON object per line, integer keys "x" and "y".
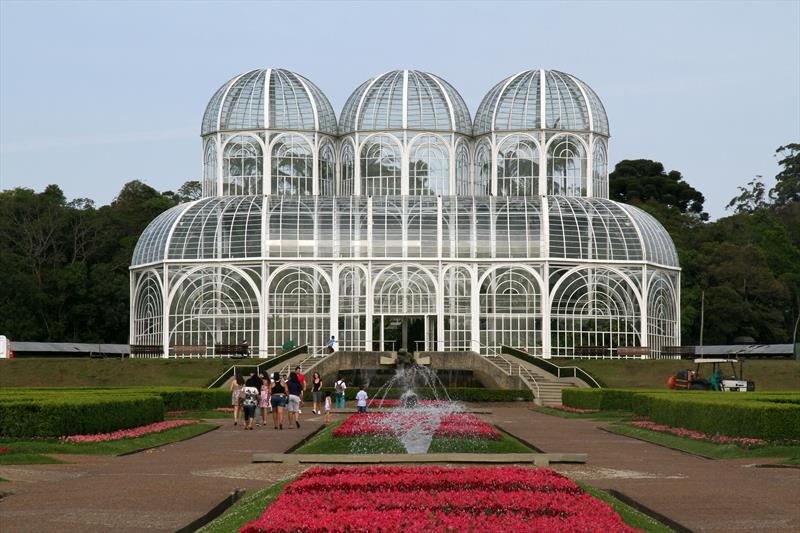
{"x": 644, "y": 323}
{"x": 315, "y": 165}
{"x": 475, "y": 309}
{"x": 545, "y": 253}
{"x": 164, "y": 299}
{"x": 590, "y": 167}
{"x": 542, "y": 164}
{"x": 132, "y": 309}
{"x": 262, "y": 312}
{"x": 334, "y": 310}
{"x": 493, "y": 163}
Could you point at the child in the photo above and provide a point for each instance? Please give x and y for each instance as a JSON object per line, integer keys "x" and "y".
{"x": 327, "y": 419}
{"x": 362, "y": 400}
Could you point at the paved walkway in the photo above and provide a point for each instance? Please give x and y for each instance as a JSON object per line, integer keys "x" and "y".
{"x": 169, "y": 487}
{"x": 700, "y": 494}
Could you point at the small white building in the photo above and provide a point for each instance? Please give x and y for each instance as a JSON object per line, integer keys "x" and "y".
{"x": 406, "y": 224}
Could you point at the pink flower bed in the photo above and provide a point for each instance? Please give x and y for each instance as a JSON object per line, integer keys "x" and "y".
{"x": 396, "y": 403}
{"x": 5, "y": 450}
{"x": 698, "y": 435}
{"x": 175, "y": 413}
{"x": 382, "y": 424}
{"x": 438, "y": 499}
{"x": 128, "y": 433}
{"x": 224, "y": 409}
{"x": 569, "y": 409}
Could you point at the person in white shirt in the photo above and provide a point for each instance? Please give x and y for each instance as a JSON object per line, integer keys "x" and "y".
{"x": 361, "y": 397}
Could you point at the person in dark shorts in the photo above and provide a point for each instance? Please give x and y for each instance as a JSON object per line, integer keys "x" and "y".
{"x": 277, "y": 398}
{"x": 250, "y": 401}
{"x": 316, "y": 393}
{"x": 295, "y": 391}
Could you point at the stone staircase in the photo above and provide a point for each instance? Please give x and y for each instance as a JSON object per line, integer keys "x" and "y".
{"x": 546, "y": 388}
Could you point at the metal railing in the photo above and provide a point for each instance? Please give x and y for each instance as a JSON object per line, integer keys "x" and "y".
{"x": 552, "y": 368}
{"x": 511, "y": 368}
{"x": 248, "y": 369}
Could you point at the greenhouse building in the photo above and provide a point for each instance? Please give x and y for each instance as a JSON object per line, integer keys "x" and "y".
{"x": 406, "y": 224}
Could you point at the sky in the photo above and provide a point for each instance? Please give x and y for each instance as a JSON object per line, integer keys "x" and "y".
{"x": 95, "y": 94}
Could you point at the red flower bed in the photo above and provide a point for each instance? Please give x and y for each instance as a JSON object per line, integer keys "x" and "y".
{"x": 224, "y": 409}
{"x": 5, "y": 450}
{"x": 698, "y": 435}
{"x": 389, "y": 499}
{"x": 569, "y": 409}
{"x": 128, "y": 433}
{"x": 384, "y": 424}
{"x": 396, "y": 403}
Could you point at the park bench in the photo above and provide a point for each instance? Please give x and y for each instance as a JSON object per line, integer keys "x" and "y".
{"x": 634, "y": 351}
{"x": 184, "y": 350}
{"x": 684, "y": 352}
{"x": 147, "y": 349}
{"x": 593, "y": 351}
{"x": 232, "y": 350}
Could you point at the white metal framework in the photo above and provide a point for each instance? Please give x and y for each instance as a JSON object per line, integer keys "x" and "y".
{"x": 401, "y": 215}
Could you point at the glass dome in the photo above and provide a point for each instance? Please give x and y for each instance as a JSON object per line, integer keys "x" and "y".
{"x": 593, "y": 229}
{"x": 275, "y": 99}
{"x": 405, "y": 99}
{"x": 541, "y": 99}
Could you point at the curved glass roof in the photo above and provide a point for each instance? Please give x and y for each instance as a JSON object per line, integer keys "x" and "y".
{"x": 541, "y": 99}
{"x": 249, "y": 227}
{"x": 405, "y": 99}
{"x": 269, "y": 99}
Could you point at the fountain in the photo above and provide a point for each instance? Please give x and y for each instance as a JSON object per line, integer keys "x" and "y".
{"x": 414, "y": 421}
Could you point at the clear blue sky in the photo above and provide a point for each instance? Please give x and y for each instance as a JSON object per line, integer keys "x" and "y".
{"x": 93, "y": 94}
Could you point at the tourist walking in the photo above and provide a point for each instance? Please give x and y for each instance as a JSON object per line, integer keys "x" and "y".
{"x": 361, "y": 399}
{"x": 339, "y": 388}
{"x": 236, "y": 391}
{"x": 250, "y": 401}
{"x": 302, "y": 380}
{"x": 316, "y": 393}
{"x": 327, "y": 419}
{"x": 277, "y": 399}
{"x": 263, "y": 400}
{"x": 295, "y": 390}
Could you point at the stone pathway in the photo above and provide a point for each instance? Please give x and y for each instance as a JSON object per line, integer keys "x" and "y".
{"x": 163, "y": 489}
{"x": 167, "y": 488}
{"x": 700, "y": 494}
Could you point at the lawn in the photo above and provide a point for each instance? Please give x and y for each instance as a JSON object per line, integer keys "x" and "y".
{"x": 323, "y": 442}
{"x": 791, "y": 454}
{"x": 775, "y": 375}
{"x": 33, "y": 451}
{"x": 631, "y": 516}
{"x": 600, "y": 415}
{"x": 86, "y": 372}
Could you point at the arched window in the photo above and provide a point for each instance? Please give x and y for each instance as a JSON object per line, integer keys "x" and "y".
{"x": 510, "y": 310}
{"x": 594, "y": 311}
{"x": 662, "y": 312}
{"x": 566, "y": 167}
{"x": 463, "y": 185}
{"x": 299, "y": 308}
{"x": 600, "y": 170}
{"x": 518, "y": 167}
{"x": 327, "y": 164}
{"x": 292, "y": 166}
{"x": 347, "y": 185}
{"x": 402, "y": 290}
{"x": 215, "y": 305}
{"x": 352, "y": 308}
{"x": 148, "y": 315}
{"x": 380, "y": 167}
{"x": 210, "y": 169}
{"x": 483, "y": 170}
{"x": 242, "y": 166}
{"x": 429, "y": 167}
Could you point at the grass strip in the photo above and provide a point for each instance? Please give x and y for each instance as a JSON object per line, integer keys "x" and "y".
{"x": 600, "y": 415}
{"x": 32, "y": 448}
{"x": 791, "y": 454}
{"x": 250, "y": 507}
{"x": 25, "y": 458}
{"x": 631, "y": 516}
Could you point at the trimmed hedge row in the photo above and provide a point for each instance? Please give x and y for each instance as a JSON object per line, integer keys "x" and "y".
{"x": 60, "y": 412}
{"x": 769, "y": 416}
{"x": 463, "y": 394}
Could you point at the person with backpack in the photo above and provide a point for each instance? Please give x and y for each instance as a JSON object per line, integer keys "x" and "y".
{"x": 339, "y": 388}
{"x": 250, "y": 402}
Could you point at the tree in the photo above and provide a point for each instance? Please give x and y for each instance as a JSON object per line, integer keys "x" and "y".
{"x": 752, "y": 197}
{"x": 638, "y": 181}
{"x": 189, "y": 191}
{"x": 787, "y": 188}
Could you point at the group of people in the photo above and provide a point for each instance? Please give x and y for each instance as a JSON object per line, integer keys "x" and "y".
{"x": 280, "y": 395}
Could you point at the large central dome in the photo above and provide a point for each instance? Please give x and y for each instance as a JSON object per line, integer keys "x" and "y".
{"x": 405, "y": 99}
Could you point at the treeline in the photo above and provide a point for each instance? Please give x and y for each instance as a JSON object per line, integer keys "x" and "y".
{"x": 745, "y": 266}
{"x": 64, "y": 264}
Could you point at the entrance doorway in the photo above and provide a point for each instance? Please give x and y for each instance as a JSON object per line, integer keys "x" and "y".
{"x": 412, "y": 333}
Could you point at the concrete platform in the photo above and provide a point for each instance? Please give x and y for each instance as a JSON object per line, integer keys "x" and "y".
{"x": 538, "y": 459}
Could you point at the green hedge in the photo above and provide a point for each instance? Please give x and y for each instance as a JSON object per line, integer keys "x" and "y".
{"x": 770, "y": 416}
{"x": 74, "y": 414}
{"x": 58, "y": 412}
{"x": 463, "y": 394}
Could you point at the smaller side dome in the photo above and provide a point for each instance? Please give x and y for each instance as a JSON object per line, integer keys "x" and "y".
{"x": 405, "y": 99}
{"x": 269, "y": 99}
{"x": 541, "y": 99}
